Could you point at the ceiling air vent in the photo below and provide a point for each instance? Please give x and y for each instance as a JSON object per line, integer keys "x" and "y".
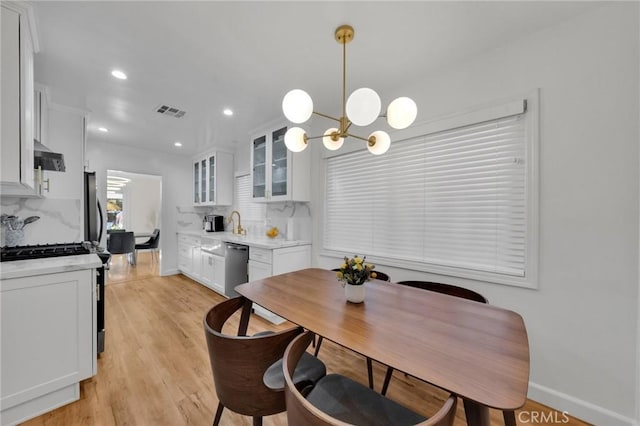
{"x": 170, "y": 111}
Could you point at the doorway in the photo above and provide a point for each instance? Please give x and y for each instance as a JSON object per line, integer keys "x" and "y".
{"x": 134, "y": 204}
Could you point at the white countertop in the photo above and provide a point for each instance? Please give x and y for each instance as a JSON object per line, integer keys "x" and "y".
{"x": 49, "y": 265}
{"x": 249, "y": 240}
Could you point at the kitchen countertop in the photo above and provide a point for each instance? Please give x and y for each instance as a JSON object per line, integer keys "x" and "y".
{"x": 249, "y": 240}
{"x": 48, "y": 265}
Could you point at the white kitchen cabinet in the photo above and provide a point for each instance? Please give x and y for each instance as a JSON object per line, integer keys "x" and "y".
{"x": 40, "y": 114}
{"x": 48, "y": 341}
{"x": 64, "y": 133}
{"x": 16, "y": 145}
{"x": 277, "y": 174}
{"x": 213, "y": 179}
{"x": 189, "y": 258}
{"x": 218, "y": 274}
{"x": 212, "y": 274}
{"x": 265, "y": 263}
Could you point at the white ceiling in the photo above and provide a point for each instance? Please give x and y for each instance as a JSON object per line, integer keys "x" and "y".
{"x": 204, "y": 56}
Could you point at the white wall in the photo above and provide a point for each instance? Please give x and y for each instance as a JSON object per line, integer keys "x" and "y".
{"x": 142, "y": 202}
{"x": 582, "y": 321}
{"x": 176, "y": 186}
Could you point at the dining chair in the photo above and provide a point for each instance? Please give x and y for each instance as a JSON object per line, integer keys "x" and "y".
{"x": 451, "y": 290}
{"x": 379, "y": 276}
{"x": 122, "y": 243}
{"x": 246, "y": 374}
{"x": 151, "y": 244}
{"x": 337, "y": 400}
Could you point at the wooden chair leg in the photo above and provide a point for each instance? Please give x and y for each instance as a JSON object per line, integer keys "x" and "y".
{"x": 509, "y": 418}
{"x": 216, "y": 420}
{"x": 257, "y": 421}
{"x": 315, "y": 353}
{"x": 387, "y": 379}
{"x": 370, "y": 372}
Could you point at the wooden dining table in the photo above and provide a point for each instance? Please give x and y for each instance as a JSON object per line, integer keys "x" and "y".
{"x": 474, "y": 350}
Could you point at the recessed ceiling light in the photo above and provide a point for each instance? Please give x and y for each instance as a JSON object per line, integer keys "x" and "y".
{"x": 177, "y": 143}
{"x": 119, "y": 74}
{"x": 227, "y": 111}
{"x": 103, "y": 129}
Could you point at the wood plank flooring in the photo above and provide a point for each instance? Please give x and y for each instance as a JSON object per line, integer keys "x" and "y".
{"x": 155, "y": 368}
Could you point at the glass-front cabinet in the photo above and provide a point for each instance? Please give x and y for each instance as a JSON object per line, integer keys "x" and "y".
{"x": 279, "y": 160}
{"x": 277, "y": 173}
{"x": 196, "y": 182}
{"x": 213, "y": 179}
{"x": 259, "y": 167}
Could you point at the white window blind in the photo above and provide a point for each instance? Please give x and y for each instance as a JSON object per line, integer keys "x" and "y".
{"x": 455, "y": 199}
{"x": 243, "y": 201}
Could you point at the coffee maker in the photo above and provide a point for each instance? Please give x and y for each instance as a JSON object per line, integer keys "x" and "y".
{"x": 213, "y": 223}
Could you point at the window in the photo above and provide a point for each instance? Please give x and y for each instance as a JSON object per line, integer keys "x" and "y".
{"x": 459, "y": 201}
{"x": 250, "y": 210}
{"x": 115, "y": 211}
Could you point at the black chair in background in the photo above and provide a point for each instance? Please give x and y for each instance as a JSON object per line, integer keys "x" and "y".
{"x": 151, "y": 244}
{"x": 122, "y": 243}
{"x": 379, "y": 276}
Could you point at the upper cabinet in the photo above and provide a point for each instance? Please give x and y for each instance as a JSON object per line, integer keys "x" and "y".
{"x": 277, "y": 174}
{"x": 16, "y": 145}
{"x": 213, "y": 179}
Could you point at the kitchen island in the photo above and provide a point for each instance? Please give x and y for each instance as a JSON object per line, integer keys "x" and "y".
{"x": 48, "y": 317}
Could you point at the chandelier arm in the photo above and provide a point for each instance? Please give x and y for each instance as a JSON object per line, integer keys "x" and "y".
{"x": 357, "y": 137}
{"x": 326, "y": 116}
{"x": 346, "y": 129}
{"x": 314, "y": 137}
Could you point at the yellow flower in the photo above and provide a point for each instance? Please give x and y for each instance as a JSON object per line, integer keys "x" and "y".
{"x": 368, "y": 265}
{"x": 373, "y": 275}
{"x": 357, "y": 260}
{"x": 343, "y": 266}
{"x": 339, "y": 274}
{"x": 358, "y": 266}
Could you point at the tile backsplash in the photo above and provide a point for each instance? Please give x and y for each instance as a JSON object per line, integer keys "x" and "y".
{"x": 288, "y": 216}
{"x": 60, "y": 219}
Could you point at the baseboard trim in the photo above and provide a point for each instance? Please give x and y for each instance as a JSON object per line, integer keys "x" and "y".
{"x": 578, "y": 408}
{"x": 168, "y": 272}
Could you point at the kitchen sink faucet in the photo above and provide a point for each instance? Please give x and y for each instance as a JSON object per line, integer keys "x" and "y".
{"x": 239, "y": 230}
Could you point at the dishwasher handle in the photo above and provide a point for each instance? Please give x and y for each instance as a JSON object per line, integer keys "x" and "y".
{"x": 237, "y": 247}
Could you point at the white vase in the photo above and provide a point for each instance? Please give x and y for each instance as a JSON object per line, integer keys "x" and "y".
{"x": 354, "y": 293}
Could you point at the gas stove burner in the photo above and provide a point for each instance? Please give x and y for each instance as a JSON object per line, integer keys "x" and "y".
{"x": 43, "y": 250}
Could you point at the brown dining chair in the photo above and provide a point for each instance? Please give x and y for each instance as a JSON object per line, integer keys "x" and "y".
{"x": 379, "y": 276}
{"x": 451, "y": 290}
{"x": 240, "y": 364}
{"x": 336, "y": 400}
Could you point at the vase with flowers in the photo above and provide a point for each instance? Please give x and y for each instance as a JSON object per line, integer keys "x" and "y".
{"x": 353, "y": 273}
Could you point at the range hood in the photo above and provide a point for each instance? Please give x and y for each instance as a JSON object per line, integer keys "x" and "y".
{"x": 47, "y": 159}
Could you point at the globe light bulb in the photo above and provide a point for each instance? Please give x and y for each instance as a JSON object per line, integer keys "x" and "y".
{"x": 379, "y": 142}
{"x": 328, "y": 141}
{"x": 295, "y": 139}
{"x": 401, "y": 113}
{"x": 363, "y": 106}
{"x": 297, "y": 106}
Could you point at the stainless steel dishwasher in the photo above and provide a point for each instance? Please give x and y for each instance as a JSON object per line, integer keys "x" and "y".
{"x": 235, "y": 267}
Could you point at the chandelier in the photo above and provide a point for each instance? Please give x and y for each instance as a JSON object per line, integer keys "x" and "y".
{"x": 362, "y": 109}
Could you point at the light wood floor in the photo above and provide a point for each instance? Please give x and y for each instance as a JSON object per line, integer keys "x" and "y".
{"x": 155, "y": 368}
